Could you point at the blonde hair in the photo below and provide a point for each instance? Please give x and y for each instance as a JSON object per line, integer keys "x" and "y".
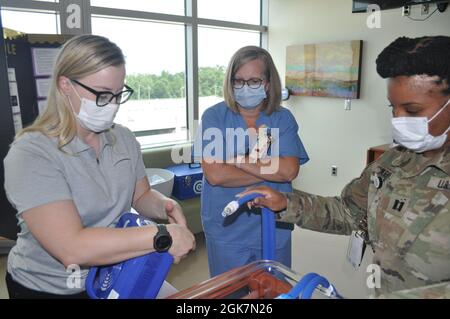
{"x": 79, "y": 57}
{"x": 242, "y": 56}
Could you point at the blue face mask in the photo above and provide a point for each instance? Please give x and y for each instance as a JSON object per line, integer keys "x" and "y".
{"x": 249, "y": 98}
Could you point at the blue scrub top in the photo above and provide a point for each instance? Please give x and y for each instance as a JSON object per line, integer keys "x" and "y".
{"x": 246, "y": 228}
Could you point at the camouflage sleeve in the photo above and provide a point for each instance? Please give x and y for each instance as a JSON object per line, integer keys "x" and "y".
{"x": 436, "y": 291}
{"x": 335, "y": 215}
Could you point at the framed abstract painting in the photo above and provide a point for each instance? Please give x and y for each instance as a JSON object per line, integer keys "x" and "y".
{"x": 326, "y": 69}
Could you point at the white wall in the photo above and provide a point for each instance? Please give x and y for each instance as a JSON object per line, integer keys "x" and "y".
{"x": 331, "y": 135}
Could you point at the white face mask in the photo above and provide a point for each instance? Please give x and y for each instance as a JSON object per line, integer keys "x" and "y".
{"x": 412, "y": 133}
{"x": 93, "y": 117}
{"x": 249, "y": 98}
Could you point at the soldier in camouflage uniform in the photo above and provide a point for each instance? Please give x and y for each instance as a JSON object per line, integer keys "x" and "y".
{"x": 401, "y": 201}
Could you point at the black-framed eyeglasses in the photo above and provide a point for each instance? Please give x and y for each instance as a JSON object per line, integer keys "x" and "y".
{"x": 105, "y": 97}
{"x": 253, "y": 83}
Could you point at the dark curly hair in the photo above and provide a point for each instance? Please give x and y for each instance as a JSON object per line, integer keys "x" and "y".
{"x": 416, "y": 56}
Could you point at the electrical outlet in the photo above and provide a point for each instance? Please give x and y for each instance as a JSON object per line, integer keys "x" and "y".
{"x": 333, "y": 170}
{"x": 425, "y": 9}
{"x": 406, "y": 10}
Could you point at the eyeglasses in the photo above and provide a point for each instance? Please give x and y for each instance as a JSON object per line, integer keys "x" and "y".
{"x": 253, "y": 83}
{"x": 105, "y": 97}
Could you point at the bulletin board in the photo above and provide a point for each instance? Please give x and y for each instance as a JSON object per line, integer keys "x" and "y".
{"x": 30, "y": 59}
{"x": 19, "y": 97}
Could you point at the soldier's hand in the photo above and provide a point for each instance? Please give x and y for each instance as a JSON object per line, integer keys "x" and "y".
{"x": 272, "y": 199}
{"x": 183, "y": 241}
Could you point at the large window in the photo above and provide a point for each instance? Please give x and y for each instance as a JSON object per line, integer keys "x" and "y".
{"x": 176, "y": 52}
{"x": 247, "y": 11}
{"x": 158, "y": 6}
{"x": 156, "y": 71}
{"x": 31, "y": 22}
{"x": 215, "y": 49}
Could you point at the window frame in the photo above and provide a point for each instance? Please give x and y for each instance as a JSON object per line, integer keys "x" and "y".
{"x": 190, "y": 20}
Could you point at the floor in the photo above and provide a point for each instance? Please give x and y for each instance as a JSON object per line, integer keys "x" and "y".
{"x": 191, "y": 270}
{"x": 3, "y": 291}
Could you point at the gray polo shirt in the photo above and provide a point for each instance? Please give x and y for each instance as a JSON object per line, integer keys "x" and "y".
{"x": 37, "y": 173}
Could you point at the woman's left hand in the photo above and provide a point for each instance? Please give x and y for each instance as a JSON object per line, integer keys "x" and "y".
{"x": 175, "y": 213}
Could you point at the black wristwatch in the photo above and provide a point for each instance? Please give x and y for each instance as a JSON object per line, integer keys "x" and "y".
{"x": 162, "y": 240}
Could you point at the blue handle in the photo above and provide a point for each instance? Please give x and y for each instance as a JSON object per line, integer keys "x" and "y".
{"x": 268, "y": 234}
{"x": 244, "y": 199}
{"x": 306, "y": 286}
{"x": 312, "y": 284}
{"x": 295, "y": 292}
{"x": 267, "y": 227}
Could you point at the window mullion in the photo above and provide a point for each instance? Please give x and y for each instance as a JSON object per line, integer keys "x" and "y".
{"x": 231, "y": 25}
{"x": 264, "y": 22}
{"x": 31, "y": 5}
{"x": 86, "y": 16}
{"x": 192, "y": 90}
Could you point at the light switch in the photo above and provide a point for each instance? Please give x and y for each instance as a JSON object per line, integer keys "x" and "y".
{"x": 348, "y": 105}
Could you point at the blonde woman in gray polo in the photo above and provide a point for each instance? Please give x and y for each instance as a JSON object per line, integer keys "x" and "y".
{"x": 72, "y": 173}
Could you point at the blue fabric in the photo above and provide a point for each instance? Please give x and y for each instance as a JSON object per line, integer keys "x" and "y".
{"x": 225, "y": 256}
{"x": 218, "y": 122}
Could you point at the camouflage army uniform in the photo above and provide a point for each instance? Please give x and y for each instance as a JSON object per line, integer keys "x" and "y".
{"x": 403, "y": 200}
{"x": 441, "y": 291}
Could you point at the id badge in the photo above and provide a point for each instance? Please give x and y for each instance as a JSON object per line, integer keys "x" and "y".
{"x": 355, "y": 250}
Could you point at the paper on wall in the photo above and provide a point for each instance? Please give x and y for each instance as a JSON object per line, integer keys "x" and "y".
{"x": 43, "y": 60}
{"x": 42, "y": 87}
{"x": 14, "y": 97}
{"x": 11, "y": 75}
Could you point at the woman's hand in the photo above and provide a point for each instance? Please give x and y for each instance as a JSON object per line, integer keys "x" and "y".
{"x": 183, "y": 241}
{"x": 175, "y": 213}
{"x": 272, "y": 199}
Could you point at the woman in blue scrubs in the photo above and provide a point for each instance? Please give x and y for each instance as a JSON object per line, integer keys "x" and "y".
{"x": 247, "y": 140}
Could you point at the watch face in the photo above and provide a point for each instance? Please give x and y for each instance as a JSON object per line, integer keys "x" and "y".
{"x": 163, "y": 243}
